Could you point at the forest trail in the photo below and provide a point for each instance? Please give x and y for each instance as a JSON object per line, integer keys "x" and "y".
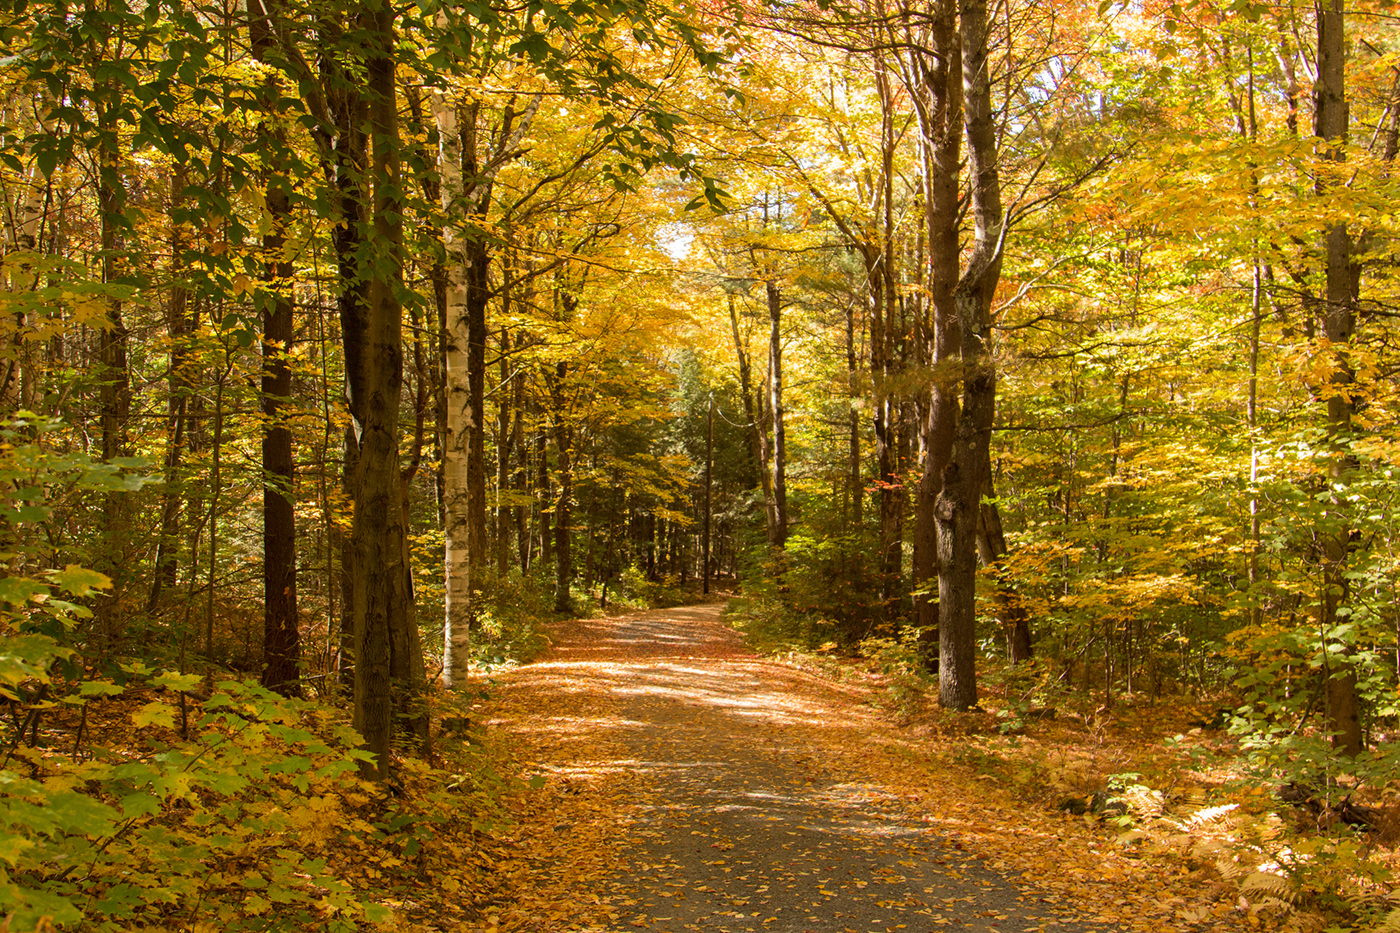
{"x": 693, "y": 786}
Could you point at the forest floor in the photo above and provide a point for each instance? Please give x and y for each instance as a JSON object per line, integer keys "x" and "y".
{"x": 690, "y": 785}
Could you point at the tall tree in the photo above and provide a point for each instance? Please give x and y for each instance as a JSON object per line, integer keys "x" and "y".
{"x": 1339, "y": 327}
{"x": 381, "y": 597}
{"x": 281, "y": 631}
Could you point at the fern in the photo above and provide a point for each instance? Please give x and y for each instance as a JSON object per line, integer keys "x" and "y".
{"x": 1230, "y": 869}
{"x": 1210, "y": 815}
{"x": 1265, "y": 885}
{"x": 1391, "y": 923}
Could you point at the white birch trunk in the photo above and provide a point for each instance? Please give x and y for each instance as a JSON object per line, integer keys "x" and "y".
{"x": 24, "y": 222}
{"x": 457, "y": 629}
{"x": 27, "y": 215}
{"x": 462, "y": 414}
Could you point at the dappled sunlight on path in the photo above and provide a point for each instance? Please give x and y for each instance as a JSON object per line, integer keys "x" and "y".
{"x": 692, "y": 786}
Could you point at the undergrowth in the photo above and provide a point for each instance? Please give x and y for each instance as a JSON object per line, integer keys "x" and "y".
{"x": 217, "y": 805}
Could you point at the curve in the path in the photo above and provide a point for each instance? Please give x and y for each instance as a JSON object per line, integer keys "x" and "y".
{"x": 744, "y": 817}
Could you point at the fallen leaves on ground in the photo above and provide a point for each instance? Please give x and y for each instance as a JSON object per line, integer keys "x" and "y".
{"x": 576, "y": 860}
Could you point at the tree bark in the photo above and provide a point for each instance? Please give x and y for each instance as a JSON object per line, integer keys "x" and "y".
{"x": 503, "y": 449}
{"x": 758, "y": 437}
{"x": 775, "y": 404}
{"x": 180, "y": 325}
{"x": 1339, "y": 325}
{"x": 709, "y": 484}
{"x": 542, "y": 510}
{"x": 991, "y": 548}
{"x": 381, "y": 599}
{"x": 281, "y": 632}
{"x": 936, "y": 92}
{"x": 114, "y": 394}
{"x": 958, "y": 509}
{"x": 346, "y": 167}
{"x": 563, "y": 505}
{"x": 884, "y": 367}
{"x": 456, "y": 479}
{"x": 854, "y": 483}
{"x": 468, "y": 183}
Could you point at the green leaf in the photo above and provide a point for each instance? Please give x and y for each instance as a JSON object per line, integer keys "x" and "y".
{"x": 19, "y": 590}
{"x": 47, "y": 159}
{"x": 178, "y": 682}
{"x": 378, "y": 913}
{"x": 155, "y": 713}
{"x": 80, "y": 581}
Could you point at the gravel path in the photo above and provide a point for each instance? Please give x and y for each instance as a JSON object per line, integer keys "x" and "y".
{"x": 737, "y": 815}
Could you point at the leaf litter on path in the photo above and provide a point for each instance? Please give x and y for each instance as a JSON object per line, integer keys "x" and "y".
{"x": 691, "y": 785}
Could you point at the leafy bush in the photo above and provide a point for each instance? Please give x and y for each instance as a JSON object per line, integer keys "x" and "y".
{"x": 512, "y": 610}
{"x": 908, "y": 683}
{"x": 217, "y": 812}
{"x": 820, "y": 589}
{"x": 633, "y": 587}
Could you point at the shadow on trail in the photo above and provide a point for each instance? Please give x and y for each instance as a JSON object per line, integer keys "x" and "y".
{"x": 740, "y": 820}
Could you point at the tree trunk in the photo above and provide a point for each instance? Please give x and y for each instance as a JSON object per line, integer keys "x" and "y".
{"x": 522, "y": 479}
{"x": 115, "y": 375}
{"x": 959, "y": 507}
{"x": 381, "y": 599}
{"x": 281, "y": 632}
{"x": 758, "y": 443}
{"x": 891, "y": 497}
{"x": 563, "y": 470}
{"x": 179, "y": 323}
{"x": 991, "y": 548}
{"x": 957, "y": 645}
{"x": 775, "y": 405}
{"x": 456, "y": 482}
{"x": 884, "y": 368}
{"x": 478, "y": 297}
{"x": 503, "y": 450}
{"x": 542, "y": 510}
{"x": 854, "y": 484}
{"x": 1339, "y": 325}
{"x": 709, "y": 484}
{"x": 936, "y": 91}
{"x": 347, "y": 169}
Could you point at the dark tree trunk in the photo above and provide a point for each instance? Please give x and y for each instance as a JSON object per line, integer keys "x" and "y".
{"x": 504, "y": 446}
{"x": 957, "y": 545}
{"x": 1339, "y": 326}
{"x": 115, "y": 392}
{"x": 758, "y": 437}
{"x": 959, "y": 506}
{"x": 478, "y": 297}
{"x": 709, "y": 482}
{"x": 590, "y": 535}
{"x": 938, "y": 84}
{"x": 563, "y": 470}
{"x": 891, "y": 496}
{"x": 519, "y": 513}
{"x": 854, "y": 484}
{"x": 775, "y": 405}
{"x": 991, "y": 548}
{"x": 347, "y": 166}
{"x": 381, "y": 599}
{"x": 281, "y": 632}
{"x": 180, "y": 325}
{"x": 542, "y": 509}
